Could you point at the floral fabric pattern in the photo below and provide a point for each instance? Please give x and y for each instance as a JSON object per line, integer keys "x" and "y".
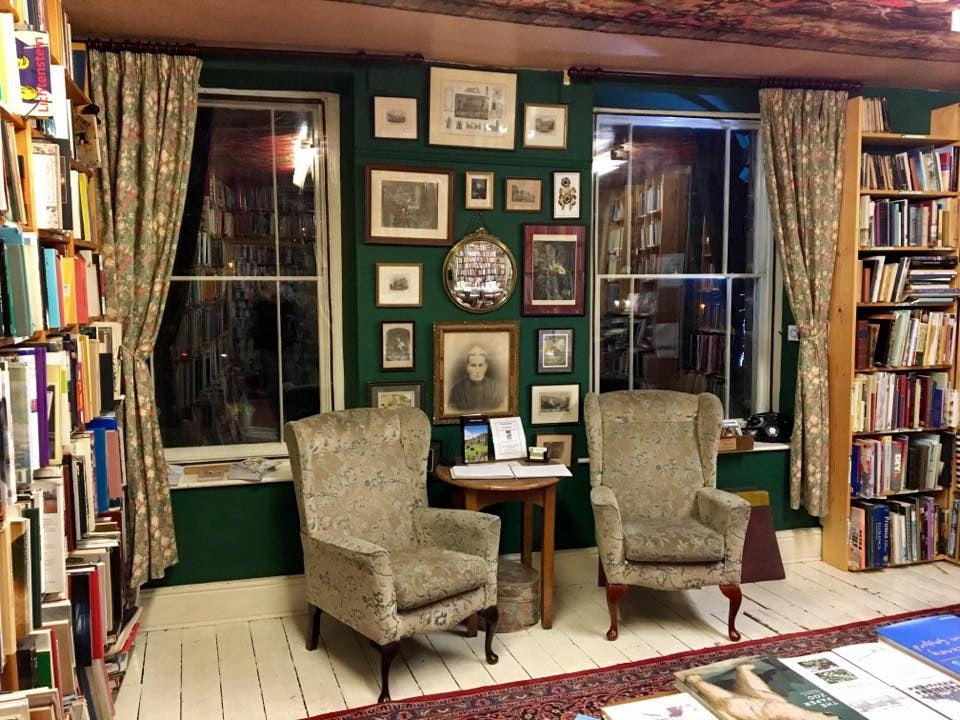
{"x": 802, "y": 134}
{"x": 149, "y": 108}
{"x": 376, "y": 557}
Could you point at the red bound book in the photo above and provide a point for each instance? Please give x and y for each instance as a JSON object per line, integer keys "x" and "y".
{"x": 863, "y": 344}
{"x": 80, "y": 290}
{"x": 98, "y": 634}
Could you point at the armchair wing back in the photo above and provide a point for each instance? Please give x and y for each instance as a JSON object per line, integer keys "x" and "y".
{"x": 654, "y": 449}
{"x": 342, "y": 483}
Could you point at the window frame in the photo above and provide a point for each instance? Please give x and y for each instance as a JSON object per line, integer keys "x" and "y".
{"x": 327, "y": 278}
{"x": 767, "y": 328}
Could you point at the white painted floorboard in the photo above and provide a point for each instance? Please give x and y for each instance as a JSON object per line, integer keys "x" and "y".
{"x": 260, "y": 670}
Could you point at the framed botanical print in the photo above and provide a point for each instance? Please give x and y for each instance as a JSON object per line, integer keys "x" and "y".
{"x": 475, "y": 371}
{"x": 553, "y": 269}
{"x": 472, "y": 108}
{"x": 399, "y": 285}
{"x": 478, "y": 190}
{"x": 555, "y": 350}
{"x": 554, "y": 404}
{"x": 395, "y": 395}
{"x": 566, "y": 195}
{"x": 545, "y": 126}
{"x": 396, "y": 345}
{"x": 409, "y": 205}
{"x": 395, "y": 118}
{"x": 523, "y": 194}
{"x": 559, "y": 446}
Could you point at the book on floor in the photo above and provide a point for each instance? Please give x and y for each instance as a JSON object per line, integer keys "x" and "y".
{"x": 663, "y": 707}
{"x": 935, "y": 640}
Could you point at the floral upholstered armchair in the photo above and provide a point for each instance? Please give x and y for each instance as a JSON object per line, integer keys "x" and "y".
{"x": 660, "y": 521}
{"x": 375, "y": 556}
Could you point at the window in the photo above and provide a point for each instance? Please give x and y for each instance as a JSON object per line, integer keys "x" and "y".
{"x": 683, "y": 291}
{"x": 246, "y": 342}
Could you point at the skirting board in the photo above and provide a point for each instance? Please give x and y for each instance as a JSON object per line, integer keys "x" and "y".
{"x": 238, "y": 600}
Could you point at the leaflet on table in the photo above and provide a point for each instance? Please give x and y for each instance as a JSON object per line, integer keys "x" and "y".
{"x": 497, "y": 471}
{"x": 509, "y": 440}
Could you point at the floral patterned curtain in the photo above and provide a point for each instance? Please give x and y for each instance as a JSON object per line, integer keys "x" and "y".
{"x": 149, "y": 107}
{"x": 802, "y": 134}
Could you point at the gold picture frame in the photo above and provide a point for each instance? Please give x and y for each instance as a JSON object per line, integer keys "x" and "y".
{"x": 523, "y": 195}
{"x": 478, "y": 190}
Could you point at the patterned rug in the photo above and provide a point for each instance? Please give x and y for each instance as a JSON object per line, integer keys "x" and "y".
{"x": 561, "y": 697}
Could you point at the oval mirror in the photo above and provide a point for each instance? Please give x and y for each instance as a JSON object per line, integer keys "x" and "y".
{"x": 479, "y": 273}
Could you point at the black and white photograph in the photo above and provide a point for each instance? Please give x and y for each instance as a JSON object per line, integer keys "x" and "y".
{"x": 395, "y": 118}
{"x": 553, "y": 259}
{"x": 472, "y": 108}
{"x": 554, "y": 404}
{"x": 555, "y": 350}
{"x": 396, "y": 395}
{"x": 523, "y": 194}
{"x": 399, "y": 284}
{"x": 409, "y": 206}
{"x": 478, "y": 190}
{"x": 545, "y": 126}
{"x": 475, "y": 369}
{"x": 396, "y": 345}
{"x": 566, "y": 195}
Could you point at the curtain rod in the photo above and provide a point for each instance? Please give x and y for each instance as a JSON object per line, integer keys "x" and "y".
{"x": 139, "y": 46}
{"x": 588, "y": 74}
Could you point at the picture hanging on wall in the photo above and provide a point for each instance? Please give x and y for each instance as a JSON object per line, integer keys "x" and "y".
{"x": 553, "y": 269}
{"x": 545, "y": 126}
{"x": 523, "y": 194}
{"x": 399, "y": 284}
{"x": 472, "y": 108}
{"x": 409, "y": 205}
{"x": 397, "y": 345}
{"x": 566, "y": 195}
{"x": 395, "y": 118}
{"x": 559, "y": 446}
{"x": 396, "y": 395}
{"x": 554, "y": 404}
{"x": 478, "y": 190}
{"x": 555, "y": 350}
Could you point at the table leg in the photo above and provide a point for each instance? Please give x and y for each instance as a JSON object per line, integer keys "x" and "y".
{"x": 471, "y": 502}
{"x": 526, "y": 549}
{"x": 546, "y": 558}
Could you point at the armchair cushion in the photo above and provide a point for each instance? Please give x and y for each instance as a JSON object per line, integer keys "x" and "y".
{"x": 671, "y": 540}
{"x": 424, "y": 575}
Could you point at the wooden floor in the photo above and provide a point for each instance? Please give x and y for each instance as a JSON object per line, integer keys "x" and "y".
{"x": 260, "y": 669}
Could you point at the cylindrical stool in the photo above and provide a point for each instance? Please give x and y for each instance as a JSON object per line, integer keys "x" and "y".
{"x": 518, "y": 596}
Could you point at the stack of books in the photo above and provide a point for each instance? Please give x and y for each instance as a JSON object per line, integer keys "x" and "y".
{"x": 253, "y": 469}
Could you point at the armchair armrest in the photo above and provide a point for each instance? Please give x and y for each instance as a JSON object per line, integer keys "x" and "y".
{"x": 609, "y": 532}
{"x": 728, "y": 514}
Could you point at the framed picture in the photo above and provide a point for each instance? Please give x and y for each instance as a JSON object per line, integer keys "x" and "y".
{"x": 559, "y": 446}
{"x": 545, "y": 126}
{"x": 409, "y": 205}
{"x": 435, "y": 455}
{"x": 478, "y": 190}
{"x": 399, "y": 285}
{"x": 555, "y": 350}
{"x": 553, "y": 269}
{"x": 554, "y": 404}
{"x": 475, "y": 370}
{"x": 475, "y": 439}
{"x": 523, "y": 194}
{"x": 394, "y": 395}
{"x": 472, "y": 108}
{"x": 395, "y": 118}
{"x": 566, "y": 194}
{"x": 396, "y": 345}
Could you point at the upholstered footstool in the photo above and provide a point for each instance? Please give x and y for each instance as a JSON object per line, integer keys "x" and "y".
{"x": 518, "y": 596}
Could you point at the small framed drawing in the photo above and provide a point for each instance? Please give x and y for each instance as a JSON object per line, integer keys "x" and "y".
{"x": 555, "y": 351}
{"x": 554, "y": 404}
{"x": 553, "y": 269}
{"x": 566, "y": 195}
{"x": 409, "y": 205}
{"x": 472, "y": 108}
{"x": 475, "y": 439}
{"x": 523, "y": 194}
{"x": 545, "y": 126}
{"x": 395, "y": 118}
{"x": 395, "y": 395}
{"x": 396, "y": 345}
{"x": 478, "y": 190}
{"x": 399, "y": 285}
{"x": 559, "y": 446}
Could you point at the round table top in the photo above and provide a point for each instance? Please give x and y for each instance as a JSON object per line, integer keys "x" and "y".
{"x": 505, "y": 484}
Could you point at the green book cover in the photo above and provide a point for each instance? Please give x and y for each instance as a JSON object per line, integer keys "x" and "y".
{"x": 760, "y": 687}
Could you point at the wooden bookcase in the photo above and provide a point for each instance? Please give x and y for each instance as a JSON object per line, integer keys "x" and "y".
{"x": 846, "y": 309}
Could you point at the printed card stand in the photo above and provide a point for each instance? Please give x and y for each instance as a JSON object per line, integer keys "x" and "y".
{"x": 475, "y": 439}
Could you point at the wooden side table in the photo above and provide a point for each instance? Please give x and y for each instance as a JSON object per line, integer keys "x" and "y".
{"x": 478, "y": 493}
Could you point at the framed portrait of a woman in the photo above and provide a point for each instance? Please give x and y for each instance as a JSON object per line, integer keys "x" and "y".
{"x": 475, "y": 370}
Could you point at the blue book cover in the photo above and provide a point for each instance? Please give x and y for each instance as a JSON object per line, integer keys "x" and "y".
{"x": 53, "y": 297}
{"x": 935, "y": 640}
{"x": 99, "y": 427}
{"x": 16, "y": 271}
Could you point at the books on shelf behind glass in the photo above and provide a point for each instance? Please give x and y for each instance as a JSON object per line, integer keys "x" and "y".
{"x": 67, "y": 621}
{"x": 893, "y": 344}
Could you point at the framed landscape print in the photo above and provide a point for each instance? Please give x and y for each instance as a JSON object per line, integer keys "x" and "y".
{"x": 409, "y": 205}
{"x": 472, "y": 108}
{"x": 396, "y": 345}
{"x": 553, "y": 269}
{"x": 399, "y": 285}
{"x": 566, "y": 195}
{"x": 545, "y": 126}
{"x": 523, "y": 194}
{"x": 554, "y": 404}
{"x": 475, "y": 370}
{"x": 559, "y": 446}
{"x": 555, "y": 350}
{"x": 478, "y": 190}
{"x": 395, "y": 118}
{"x": 395, "y": 395}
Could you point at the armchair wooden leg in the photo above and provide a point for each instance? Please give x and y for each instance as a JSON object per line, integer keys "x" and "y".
{"x": 601, "y": 575}
{"x": 614, "y": 593}
{"x": 491, "y": 616}
{"x": 313, "y": 633}
{"x": 733, "y": 594}
{"x": 387, "y": 653}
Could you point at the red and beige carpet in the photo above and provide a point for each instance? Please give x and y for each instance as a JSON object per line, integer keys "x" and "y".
{"x": 561, "y": 697}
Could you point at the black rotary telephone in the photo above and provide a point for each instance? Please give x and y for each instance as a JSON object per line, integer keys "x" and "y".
{"x": 770, "y": 427}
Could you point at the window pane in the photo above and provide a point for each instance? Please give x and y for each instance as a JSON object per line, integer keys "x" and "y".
{"x": 295, "y": 145}
{"x": 743, "y": 176}
{"x": 744, "y": 347}
{"x": 611, "y": 151}
{"x": 301, "y": 359}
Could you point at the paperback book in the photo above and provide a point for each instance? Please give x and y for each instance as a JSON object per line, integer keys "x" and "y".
{"x": 935, "y": 640}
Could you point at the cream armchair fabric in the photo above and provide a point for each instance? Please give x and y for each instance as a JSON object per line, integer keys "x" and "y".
{"x": 375, "y": 556}
{"x": 660, "y": 521}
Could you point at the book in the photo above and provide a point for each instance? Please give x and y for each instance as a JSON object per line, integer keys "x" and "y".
{"x": 665, "y": 707}
{"x": 935, "y": 640}
{"x": 493, "y": 471}
{"x": 254, "y": 468}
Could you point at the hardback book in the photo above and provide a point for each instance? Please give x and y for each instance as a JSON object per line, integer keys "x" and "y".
{"x": 935, "y": 640}
{"x": 664, "y": 707}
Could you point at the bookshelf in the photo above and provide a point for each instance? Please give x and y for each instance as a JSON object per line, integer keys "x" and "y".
{"x": 892, "y": 346}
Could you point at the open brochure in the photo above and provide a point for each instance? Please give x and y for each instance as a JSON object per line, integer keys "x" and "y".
{"x": 495, "y": 471}
{"x": 666, "y": 707}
